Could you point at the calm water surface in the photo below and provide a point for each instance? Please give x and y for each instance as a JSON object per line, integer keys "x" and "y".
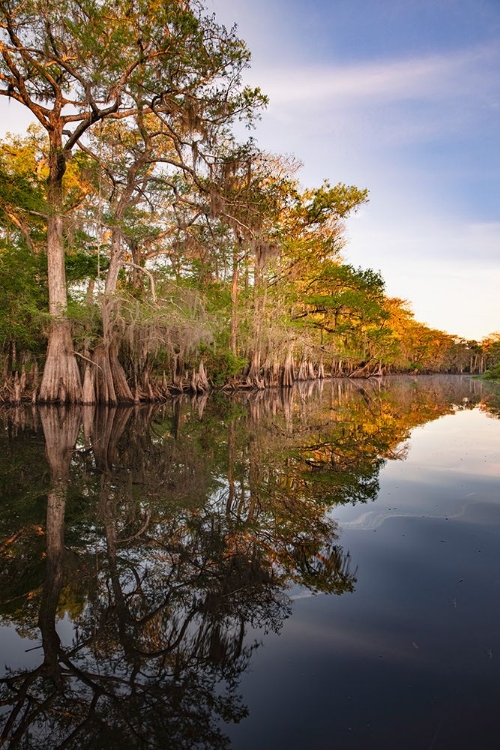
{"x": 318, "y": 568}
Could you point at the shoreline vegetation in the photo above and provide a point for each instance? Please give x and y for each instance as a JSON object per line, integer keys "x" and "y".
{"x": 24, "y": 389}
{"x": 146, "y": 252}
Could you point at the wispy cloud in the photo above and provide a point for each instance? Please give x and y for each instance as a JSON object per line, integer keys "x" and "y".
{"x": 473, "y": 71}
{"x": 367, "y": 107}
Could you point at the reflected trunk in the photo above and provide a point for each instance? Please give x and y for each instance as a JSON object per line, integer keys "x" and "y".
{"x": 60, "y": 427}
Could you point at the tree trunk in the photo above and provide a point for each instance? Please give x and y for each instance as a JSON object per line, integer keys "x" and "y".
{"x": 199, "y": 380}
{"x": 303, "y": 372}
{"x": 234, "y": 305}
{"x": 61, "y": 377}
{"x": 288, "y": 374}
{"x": 254, "y": 377}
{"x": 105, "y": 381}
{"x": 104, "y": 389}
{"x": 115, "y": 261}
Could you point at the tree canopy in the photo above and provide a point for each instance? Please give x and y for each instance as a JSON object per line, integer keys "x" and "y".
{"x": 147, "y": 247}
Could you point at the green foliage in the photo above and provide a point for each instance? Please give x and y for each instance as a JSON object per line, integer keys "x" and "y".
{"x": 340, "y": 201}
{"x": 493, "y": 373}
{"x": 221, "y": 366}
{"x": 18, "y": 191}
{"x": 345, "y": 303}
{"x": 81, "y": 265}
{"x": 23, "y": 298}
{"x": 86, "y": 323}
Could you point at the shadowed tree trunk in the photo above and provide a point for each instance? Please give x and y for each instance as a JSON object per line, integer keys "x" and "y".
{"x": 288, "y": 373}
{"x": 233, "y": 325}
{"x": 105, "y": 381}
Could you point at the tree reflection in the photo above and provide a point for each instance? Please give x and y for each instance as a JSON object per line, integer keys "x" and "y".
{"x": 169, "y": 535}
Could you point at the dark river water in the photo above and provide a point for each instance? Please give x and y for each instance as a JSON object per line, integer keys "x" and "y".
{"x": 314, "y": 568}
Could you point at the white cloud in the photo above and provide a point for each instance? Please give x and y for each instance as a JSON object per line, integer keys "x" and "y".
{"x": 382, "y": 104}
{"x": 422, "y": 78}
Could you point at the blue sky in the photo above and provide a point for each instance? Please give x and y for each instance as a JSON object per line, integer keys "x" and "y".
{"x": 401, "y": 97}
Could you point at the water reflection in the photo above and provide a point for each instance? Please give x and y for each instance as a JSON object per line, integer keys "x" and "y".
{"x": 141, "y": 546}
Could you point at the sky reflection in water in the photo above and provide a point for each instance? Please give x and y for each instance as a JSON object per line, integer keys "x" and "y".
{"x": 411, "y": 659}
